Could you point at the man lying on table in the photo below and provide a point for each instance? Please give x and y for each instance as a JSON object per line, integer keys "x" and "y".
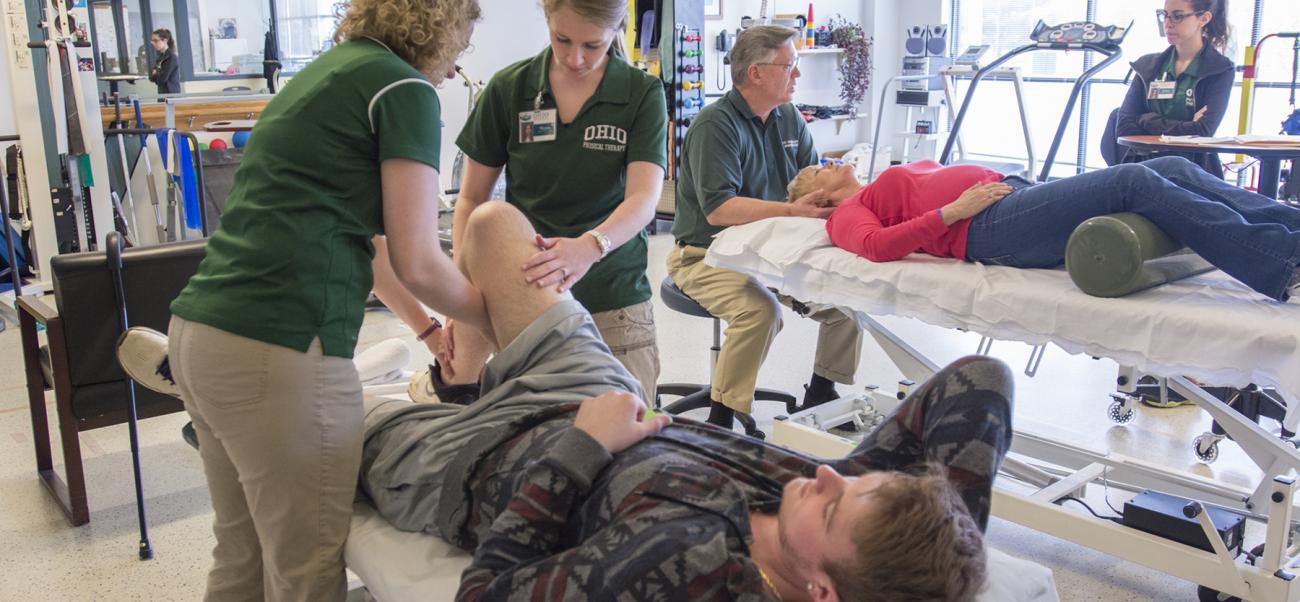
{"x": 566, "y": 490}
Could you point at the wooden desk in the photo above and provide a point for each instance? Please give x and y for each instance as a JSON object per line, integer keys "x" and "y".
{"x": 1270, "y": 156}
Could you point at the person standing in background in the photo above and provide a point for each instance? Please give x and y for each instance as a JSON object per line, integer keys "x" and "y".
{"x": 166, "y": 72}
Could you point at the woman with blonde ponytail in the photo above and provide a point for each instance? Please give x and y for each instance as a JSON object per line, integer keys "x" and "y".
{"x": 581, "y": 135}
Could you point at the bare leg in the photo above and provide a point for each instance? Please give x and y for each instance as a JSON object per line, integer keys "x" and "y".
{"x": 471, "y": 353}
{"x": 498, "y": 240}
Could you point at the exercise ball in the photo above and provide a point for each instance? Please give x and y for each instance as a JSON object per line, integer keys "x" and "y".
{"x": 240, "y": 139}
{"x": 203, "y": 146}
{"x": 217, "y": 144}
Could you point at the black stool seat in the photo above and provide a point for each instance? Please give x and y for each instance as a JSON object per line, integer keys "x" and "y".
{"x": 696, "y": 396}
{"x": 678, "y": 301}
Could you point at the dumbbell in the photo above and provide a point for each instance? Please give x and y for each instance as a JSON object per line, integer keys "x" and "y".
{"x": 691, "y": 37}
{"x": 692, "y": 69}
{"x": 691, "y": 103}
{"x": 690, "y": 54}
{"x": 695, "y": 85}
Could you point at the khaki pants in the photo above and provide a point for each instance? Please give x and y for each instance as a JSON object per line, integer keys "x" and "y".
{"x": 753, "y": 317}
{"x": 630, "y": 334}
{"x": 280, "y": 436}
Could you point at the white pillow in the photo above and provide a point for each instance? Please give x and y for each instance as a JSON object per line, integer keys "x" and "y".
{"x": 1016, "y": 579}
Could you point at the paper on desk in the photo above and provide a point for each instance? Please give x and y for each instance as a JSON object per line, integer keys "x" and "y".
{"x": 1280, "y": 139}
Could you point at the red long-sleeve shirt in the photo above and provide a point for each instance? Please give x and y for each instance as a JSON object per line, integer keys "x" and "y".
{"x": 898, "y": 213}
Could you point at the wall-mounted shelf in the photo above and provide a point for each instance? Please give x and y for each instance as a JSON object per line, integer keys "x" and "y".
{"x": 840, "y": 120}
{"x": 931, "y": 136}
{"x": 838, "y": 53}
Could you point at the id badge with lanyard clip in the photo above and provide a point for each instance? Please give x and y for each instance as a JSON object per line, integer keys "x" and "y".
{"x": 1162, "y": 89}
{"x": 537, "y": 125}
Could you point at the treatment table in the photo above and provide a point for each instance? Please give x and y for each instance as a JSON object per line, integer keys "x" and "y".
{"x": 1201, "y": 331}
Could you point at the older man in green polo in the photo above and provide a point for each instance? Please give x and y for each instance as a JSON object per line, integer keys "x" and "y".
{"x": 739, "y": 156}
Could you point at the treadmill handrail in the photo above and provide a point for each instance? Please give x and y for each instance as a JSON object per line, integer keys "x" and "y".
{"x": 1069, "y": 109}
{"x": 1112, "y": 52}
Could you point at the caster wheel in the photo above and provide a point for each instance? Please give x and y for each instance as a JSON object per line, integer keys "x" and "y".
{"x": 1206, "y": 449}
{"x": 1118, "y": 415}
{"x": 1205, "y": 594}
{"x": 757, "y": 435}
{"x": 1254, "y": 555}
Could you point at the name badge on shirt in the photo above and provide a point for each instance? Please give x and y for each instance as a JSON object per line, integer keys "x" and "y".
{"x": 537, "y": 126}
{"x": 1161, "y": 90}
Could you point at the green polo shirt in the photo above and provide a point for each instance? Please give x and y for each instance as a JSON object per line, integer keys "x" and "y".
{"x": 1182, "y": 106}
{"x": 291, "y": 260}
{"x": 571, "y": 184}
{"x": 730, "y": 152}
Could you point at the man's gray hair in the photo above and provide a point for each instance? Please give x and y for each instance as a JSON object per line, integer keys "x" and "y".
{"x": 756, "y": 45}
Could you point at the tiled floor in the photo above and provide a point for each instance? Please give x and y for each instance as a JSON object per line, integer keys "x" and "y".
{"x": 42, "y": 558}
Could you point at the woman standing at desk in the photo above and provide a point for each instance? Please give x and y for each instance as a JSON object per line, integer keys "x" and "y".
{"x": 167, "y": 71}
{"x": 1184, "y": 90}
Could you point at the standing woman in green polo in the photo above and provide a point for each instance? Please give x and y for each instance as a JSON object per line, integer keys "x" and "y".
{"x": 581, "y": 135}
{"x": 263, "y": 335}
{"x": 1184, "y": 90}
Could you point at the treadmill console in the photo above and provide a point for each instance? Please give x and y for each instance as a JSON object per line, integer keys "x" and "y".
{"x": 972, "y": 54}
{"x": 1077, "y": 33}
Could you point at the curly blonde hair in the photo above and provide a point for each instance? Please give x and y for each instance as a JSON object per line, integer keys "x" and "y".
{"x": 428, "y": 34}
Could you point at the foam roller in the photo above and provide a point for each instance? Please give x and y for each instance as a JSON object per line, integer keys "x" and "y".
{"x": 1119, "y": 254}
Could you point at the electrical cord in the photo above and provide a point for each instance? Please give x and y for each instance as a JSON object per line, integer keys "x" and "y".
{"x": 721, "y": 79}
{"x": 1114, "y": 519}
{"x": 1105, "y": 491}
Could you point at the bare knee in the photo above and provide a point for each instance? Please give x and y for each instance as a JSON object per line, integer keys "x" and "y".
{"x": 493, "y": 219}
{"x": 493, "y": 229}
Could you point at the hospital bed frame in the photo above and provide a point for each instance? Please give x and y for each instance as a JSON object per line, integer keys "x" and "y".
{"x": 1052, "y": 470}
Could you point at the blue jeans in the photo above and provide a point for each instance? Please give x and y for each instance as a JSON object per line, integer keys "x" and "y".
{"x": 1253, "y": 238}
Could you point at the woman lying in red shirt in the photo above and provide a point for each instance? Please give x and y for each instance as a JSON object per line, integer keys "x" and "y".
{"x": 973, "y": 213}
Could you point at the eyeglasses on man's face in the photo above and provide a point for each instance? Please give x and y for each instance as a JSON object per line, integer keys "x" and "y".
{"x": 1176, "y": 17}
{"x": 791, "y": 66}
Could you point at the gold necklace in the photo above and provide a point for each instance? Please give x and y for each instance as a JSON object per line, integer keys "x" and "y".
{"x": 768, "y": 582}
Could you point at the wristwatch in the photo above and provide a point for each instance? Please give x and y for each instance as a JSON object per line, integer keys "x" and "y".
{"x": 602, "y": 241}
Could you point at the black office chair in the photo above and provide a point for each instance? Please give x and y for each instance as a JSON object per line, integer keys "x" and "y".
{"x": 1110, "y": 151}
{"x": 696, "y": 396}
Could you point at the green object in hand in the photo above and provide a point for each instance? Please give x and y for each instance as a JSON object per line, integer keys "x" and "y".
{"x": 650, "y": 414}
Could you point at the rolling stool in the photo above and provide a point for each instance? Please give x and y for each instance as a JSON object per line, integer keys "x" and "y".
{"x": 696, "y": 396}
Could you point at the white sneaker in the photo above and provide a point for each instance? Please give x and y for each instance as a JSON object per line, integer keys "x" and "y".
{"x": 142, "y": 353}
{"x": 421, "y": 388}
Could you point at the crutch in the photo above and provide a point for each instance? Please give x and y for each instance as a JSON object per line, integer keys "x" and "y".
{"x": 114, "y": 243}
{"x": 148, "y": 170}
{"x": 153, "y": 187}
{"x": 128, "y": 202}
{"x": 171, "y": 164}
